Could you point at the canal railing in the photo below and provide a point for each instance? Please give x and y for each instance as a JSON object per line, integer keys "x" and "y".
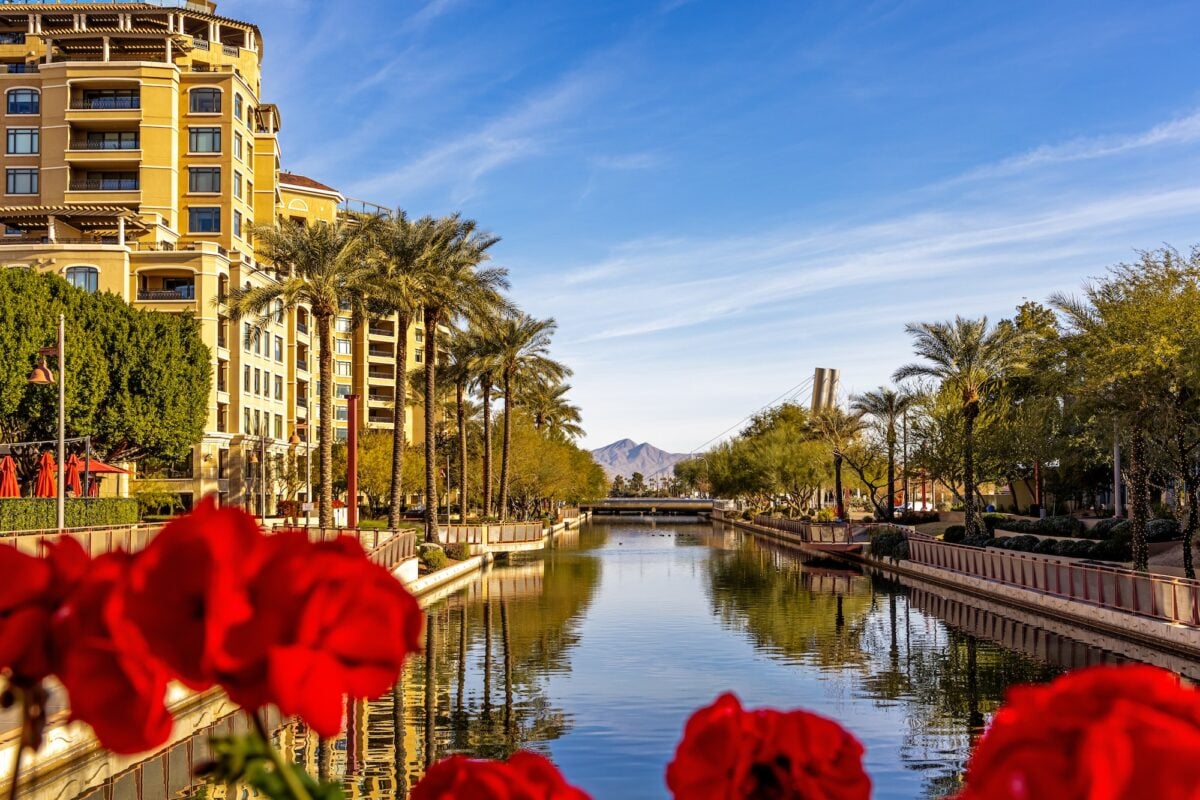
{"x": 811, "y": 532}
{"x": 96, "y": 540}
{"x": 1161, "y": 597}
{"x": 493, "y": 534}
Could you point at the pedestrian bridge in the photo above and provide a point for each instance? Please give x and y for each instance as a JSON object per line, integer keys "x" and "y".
{"x": 649, "y": 505}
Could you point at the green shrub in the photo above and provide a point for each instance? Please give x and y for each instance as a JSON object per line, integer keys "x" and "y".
{"x": 1112, "y": 550}
{"x": 39, "y": 514}
{"x": 954, "y": 533}
{"x": 889, "y": 543}
{"x": 825, "y": 515}
{"x": 1022, "y": 544}
{"x": 868, "y": 518}
{"x": 915, "y": 517}
{"x": 433, "y": 557}
{"x": 1062, "y": 525}
{"x": 1163, "y": 530}
{"x": 1104, "y": 527}
{"x": 978, "y": 540}
{"x": 992, "y": 520}
{"x": 458, "y": 552}
{"x": 1047, "y": 547}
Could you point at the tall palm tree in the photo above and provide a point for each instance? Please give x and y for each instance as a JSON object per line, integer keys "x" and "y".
{"x": 521, "y": 347}
{"x": 324, "y": 268}
{"x": 401, "y": 248}
{"x": 547, "y": 403}
{"x": 457, "y": 286}
{"x": 838, "y": 429}
{"x": 887, "y": 406}
{"x": 460, "y": 369}
{"x": 484, "y": 371}
{"x": 973, "y": 360}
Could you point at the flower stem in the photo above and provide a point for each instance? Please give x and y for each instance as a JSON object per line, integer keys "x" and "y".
{"x": 282, "y": 766}
{"x": 15, "y": 778}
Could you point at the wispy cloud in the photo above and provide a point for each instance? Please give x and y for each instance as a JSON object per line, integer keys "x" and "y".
{"x": 628, "y": 161}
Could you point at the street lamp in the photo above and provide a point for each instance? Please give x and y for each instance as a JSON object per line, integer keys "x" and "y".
{"x": 295, "y": 441}
{"x": 42, "y": 375}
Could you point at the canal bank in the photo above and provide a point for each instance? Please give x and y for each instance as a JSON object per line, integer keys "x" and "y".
{"x": 1170, "y": 638}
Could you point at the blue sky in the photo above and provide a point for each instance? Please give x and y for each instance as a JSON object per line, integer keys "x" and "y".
{"x": 713, "y": 197}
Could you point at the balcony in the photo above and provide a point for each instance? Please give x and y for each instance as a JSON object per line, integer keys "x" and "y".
{"x": 380, "y": 372}
{"x": 104, "y": 141}
{"x": 301, "y": 364}
{"x": 381, "y": 329}
{"x": 380, "y": 351}
{"x": 301, "y": 326}
{"x": 376, "y": 395}
{"x": 107, "y": 103}
{"x": 12, "y": 37}
{"x": 178, "y": 294}
{"x": 166, "y": 286}
{"x": 110, "y": 183}
{"x": 17, "y": 69}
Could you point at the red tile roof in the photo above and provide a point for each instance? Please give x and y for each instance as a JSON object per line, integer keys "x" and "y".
{"x": 305, "y": 182}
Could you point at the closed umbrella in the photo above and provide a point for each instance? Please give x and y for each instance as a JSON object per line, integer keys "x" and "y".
{"x": 8, "y": 478}
{"x": 46, "y": 486}
{"x": 73, "y": 466}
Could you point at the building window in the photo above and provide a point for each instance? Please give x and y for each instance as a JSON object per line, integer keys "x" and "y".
{"x": 342, "y": 369}
{"x": 246, "y": 336}
{"x": 420, "y": 334}
{"x": 258, "y": 381}
{"x": 23, "y": 141}
{"x": 24, "y": 101}
{"x": 279, "y": 349}
{"x": 85, "y": 278}
{"x": 257, "y": 341}
{"x": 341, "y": 347}
{"x": 204, "y": 140}
{"x": 418, "y": 356}
{"x": 237, "y": 145}
{"x": 237, "y": 106}
{"x": 246, "y": 420}
{"x": 237, "y": 224}
{"x": 204, "y": 179}
{"x": 206, "y": 101}
{"x": 278, "y": 387}
{"x": 22, "y": 181}
{"x": 249, "y": 153}
{"x": 340, "y": 434}
{"x": 222, "y": 427}
{"x": 257, "y": 421}
{"x": 341, "y": 413}
{"x": 237, "y": 184}
{"x": 204, "y": 220}
{"x": 342, "y": 325}
{"x": 340, "y": 390}
{"x": 11, "y": 231}
{"x": 278, "y": 426}
{"x": 246, "y": 378}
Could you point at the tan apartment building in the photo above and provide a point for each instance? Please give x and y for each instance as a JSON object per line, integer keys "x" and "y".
{"x": 138, "y": 155}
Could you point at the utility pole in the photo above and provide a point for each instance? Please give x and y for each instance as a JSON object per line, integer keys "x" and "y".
{"x": 904, "y": 429}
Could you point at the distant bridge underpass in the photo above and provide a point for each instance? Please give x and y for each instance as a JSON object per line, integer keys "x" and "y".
{"x": 648, "y": 505}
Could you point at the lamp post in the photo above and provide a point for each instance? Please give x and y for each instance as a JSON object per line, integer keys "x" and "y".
{"x": 295, "y": 441}
{"x": 42, "y": 375}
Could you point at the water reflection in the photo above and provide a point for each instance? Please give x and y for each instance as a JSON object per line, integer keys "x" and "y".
{"x": 596, "y": 653}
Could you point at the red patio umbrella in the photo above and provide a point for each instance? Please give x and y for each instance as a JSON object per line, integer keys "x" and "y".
{"x": 8, "y": 478}
{"x": 46, "y": 486}
{"x": 73, "y": 467}
{"x": 94, "y": 486}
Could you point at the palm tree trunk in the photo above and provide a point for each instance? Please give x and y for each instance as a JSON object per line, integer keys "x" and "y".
{"x": 891, "y": 446}
{"x": 487, "y": 447}
{"x": 1139, "y": 506}
{"x": 325, "y": 439}
{"x": 460, "y": 411}
{"x": 837, "y": 485}
{"x": 399, "y": 400}
{"x": 1192, "y": 493}
{"x": 508, "y": 401}
{"x": 431, "y": 507}
{"x": 970, "y": 412}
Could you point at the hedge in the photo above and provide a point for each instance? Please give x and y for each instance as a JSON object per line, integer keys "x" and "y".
{"x": 889, "y": 543}
{"x": 39, "y": 514}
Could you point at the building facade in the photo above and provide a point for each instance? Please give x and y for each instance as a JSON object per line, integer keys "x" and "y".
{"x": 138, "y": 155}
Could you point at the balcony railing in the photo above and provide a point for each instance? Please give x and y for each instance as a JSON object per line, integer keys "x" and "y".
{"x": 230, "y": 50}
{"x": 386, "y": 330}
{"x": 375, "y": 372}
{"x": 379, "y": 352}
{"x": 17, "y": 69}
{"x": 106, "y": 103}
{"x": 168, "y": 295}
{"x": 302, "y": 364}
{"x": 9, "y": 37}
{"x": 301, "y": 327}
{"x": 200, "y": 44}
{"x": 86, "y": 143}
{"x": 104, "y": 184}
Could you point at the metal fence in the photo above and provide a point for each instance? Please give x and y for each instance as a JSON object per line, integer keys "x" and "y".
{"x": 96, "y": 541}
{"x": 1161, "y": 597}
{"x": 814, "y": 532}
{"x": 502, "y": 533}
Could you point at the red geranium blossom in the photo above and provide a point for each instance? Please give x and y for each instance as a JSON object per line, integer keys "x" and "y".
{"x": 114, "y": 683}
{"x": 190, "y": 586}
{"x": 31, "y": 591}
{"x": 729, "y": 753}
{"x": 525, "y": 776}
{"x": 1102, "y": 733}
{"x": 327, "y": 623}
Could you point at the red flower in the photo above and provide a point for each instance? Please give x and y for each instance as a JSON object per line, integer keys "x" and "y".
{"x": 1102, "y": 733}
{"x": 114, "y": 683}
{"x": 190, "y": 586}
{"x": 30, "y": 593}
{"x": 728, "y": 753}
{"x": 525, "y": 776}
{"x": 327, "y": 623}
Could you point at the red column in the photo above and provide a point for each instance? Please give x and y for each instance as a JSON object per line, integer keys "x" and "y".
{"x": 352, "y": 460}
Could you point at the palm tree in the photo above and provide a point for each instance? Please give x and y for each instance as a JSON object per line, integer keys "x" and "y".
{"x": 401, "y": 250}
{"x": 460, "y": 369}
{"x": 547, "y": 403}
{"x": 456, "y": 286}
{"x": 838, "y": 428}
{"x": 887, "y": 406}
{"x": 521, "y": 347}
{"x": 972, "y": 359}
{"x": 483, "y": 371}
{"x": 324, "y": 268}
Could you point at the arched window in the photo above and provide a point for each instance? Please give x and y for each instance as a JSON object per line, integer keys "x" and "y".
{"x": 279, "y": 311}
{"x": 24, "y": 101}
{"x": 205, "y": 101}
{"x": 86, "y": 278}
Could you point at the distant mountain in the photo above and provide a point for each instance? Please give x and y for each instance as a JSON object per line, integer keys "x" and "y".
{"x": 627, "y": 457}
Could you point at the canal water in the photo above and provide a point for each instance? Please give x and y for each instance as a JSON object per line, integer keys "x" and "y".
{"x": 596, "y": 652}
